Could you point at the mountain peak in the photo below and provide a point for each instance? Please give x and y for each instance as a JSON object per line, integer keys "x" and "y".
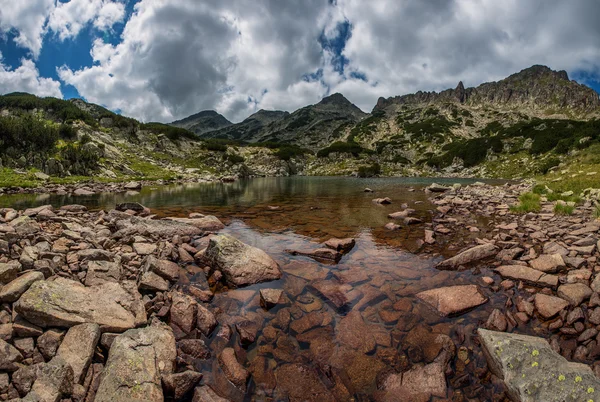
{"x": 335, "y": 99}
{"x": 538, "y": 71}
{"x": 204, "y": 121}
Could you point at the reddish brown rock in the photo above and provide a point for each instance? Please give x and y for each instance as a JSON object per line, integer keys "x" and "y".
{"x": 453, "y": 300}
{"x": 549, "y": 306}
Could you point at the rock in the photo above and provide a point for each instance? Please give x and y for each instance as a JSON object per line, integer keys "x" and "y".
{"x": 78, "y": 348}
{"x": 54, "y": 380}
{"x": 333, "y": 292}
{"x": 233, "y": 370}
{"x": 206, "y": 223}
{"x": 9, "y": 271}
{"x": 206, "y": 321}
{"x": 64, "y": 303}
{"x": 9, "y": 356}
{"x": 383, "y": 201}
{"x": 23, "y": 378}
{"x": 144, "y": 248}
{"x": 419, "y": 384}
{"x": 429, "y": 343}
{"x": 548, "y": 263}
{"x": 25, "y": 226}
{"x": 412, "y": 221}
{"x": 164, "y": 268}
{"x": 136, "y": 226}
{"x": 247, "y": 331}
{"x": 341, "y": 245}
{"x": 180, "y": 384}
{"x": 82, "y": 191}
{"x": 184, "y": 310}
{"x": 549, "y": 306}
{"x": 453, "y": 300}
{"x": 528, "y": 275}
{"x": 100, "y": 272}
{"x": 136, "y": 362}
{"x": 509, "y": 254}
{"x": 437, "y": 188}
{"x": 14, "y": 289}
{"x": 497, "y": 321}
{"x": 574, "y": 293}
{"x": 206, "y": 394}
{"x": 429, "y": 236}
{"x": 132, "y": 185}
{"x": 240, "y": 263}
{"x": 468, "y": 256}
{"x": 151, "y": 281}
{"x": 28, "y": 256}
{"x": 49, "y": 341}
{"x": 392, "y": 226}
{"x": 74, "y": 208}
{"x": 193, "y": 347}
{"x": 532, "y": 371}
{"x": 399, "y": 215}
{"x": 297, "y": 382}
{"x": 270, "y": 297}
{"x": 325, "y": 255}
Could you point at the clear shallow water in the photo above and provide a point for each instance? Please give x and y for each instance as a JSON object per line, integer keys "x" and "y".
{"x": 345, "y": 349}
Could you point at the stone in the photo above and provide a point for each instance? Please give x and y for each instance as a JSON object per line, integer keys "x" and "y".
{"x": 49, "y": 341}
{"x": 82, "y": 191}
{"x": 548, "y": 263}
{"x": 144, "y": 248}
{"x": 137, "y": 226}
{"x": 392, "y": 226}
{"x": 132, "y": 185}
{"x": 9, "y": 271}
{"x": 184, "y": 310}
{"x": 153, "y": 282}
{"x": 247, "y": 331}
{"x": 528, "y": 275}
{"x": 206, "y": 321}
{"x": 437, "y": 188}
{"x": 497, "y": 321}
{"x": 180, "y": 384}
{"x": 453, "y": 300}
{"x": 549, "y": 306}
{"x": 419, "y": 384}
{"x": 206, "y": 223}
{"x": 574, "y": 293}
{"x": 164, "y": 268}
{"x": 333, "y": 292}
{"x": 9, "y": 356}
{"x": 28, "y": 256}
{"x": 99, "y": 272}
{"x": 383, "y": 201}
{"x": 25, "y": 226}
{"x": 341, "y": 245}
{"x": 297, "y": 382}
{"x": 206, "y": 394}
{"x": 233, "y": 370}
{"x": 137, "y": 361}
{"x": 468, "y": 256}
{"x": 54, "y": 380}
{"x": 77, "y": 348}
{"x": 429, "y": 236}
{"x": 240, "y": 263}
{"x": 193, "y": 347}
{"x": 270, "y": 297}
{"x": 64, "y": 303}
{"x": 15, "y": 288}
{"x": 532, "y": 371}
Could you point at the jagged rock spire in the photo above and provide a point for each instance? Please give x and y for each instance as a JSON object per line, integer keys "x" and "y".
{"x": 460, "y": 93}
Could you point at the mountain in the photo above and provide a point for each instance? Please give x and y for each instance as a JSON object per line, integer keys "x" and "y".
{"x": 203, "y": 122}
{"x": 312, "y": 126}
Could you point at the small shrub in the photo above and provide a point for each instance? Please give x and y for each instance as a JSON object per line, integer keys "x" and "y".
{"x": 369, "y": 171}
{"x": 85, "y": 139}
{"x": 548, "y": 164}
{"x": 529, "y": 202}
{"x": 235, "y": 158}
{"x": 215, "y": 145}
{"x": 563, "y": 209}
{"x": 341, "y": 147}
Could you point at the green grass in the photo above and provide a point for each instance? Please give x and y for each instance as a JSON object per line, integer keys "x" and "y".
{"x": 9, "y": 178}
{"x": 563, "y": 209}
{"x": 529, "y": 202}
{"x": 597, "y": 212}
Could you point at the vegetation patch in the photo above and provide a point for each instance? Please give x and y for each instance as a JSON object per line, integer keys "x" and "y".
{"x": 528, "y": 202}
{"x": 472, "y": 152}
{"x": 563, "y": 209}
{"x": 349, "y": 147}
{"x": 172, "y": 133}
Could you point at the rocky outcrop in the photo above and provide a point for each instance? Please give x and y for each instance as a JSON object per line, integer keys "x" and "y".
{"x": 240, "y": 263}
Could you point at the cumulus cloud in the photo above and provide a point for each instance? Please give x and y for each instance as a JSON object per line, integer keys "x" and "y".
{"x": 26, "y": 78}
{"x": 67, "y": 19}
{"x": 27, "y": 19}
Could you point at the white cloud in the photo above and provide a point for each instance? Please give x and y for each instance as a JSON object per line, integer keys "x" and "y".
{"x": 26, "y": 78}
{"x": 28, "y": 19}
{"x": 67, "y": 19}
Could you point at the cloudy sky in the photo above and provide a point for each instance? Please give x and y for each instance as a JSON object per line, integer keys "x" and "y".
{"x": 161, "y": 60}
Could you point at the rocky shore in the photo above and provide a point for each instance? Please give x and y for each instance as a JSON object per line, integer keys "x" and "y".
{"x": 119, "y": 305}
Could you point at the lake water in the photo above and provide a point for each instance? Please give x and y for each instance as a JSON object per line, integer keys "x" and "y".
{"x": 344, "y": 349}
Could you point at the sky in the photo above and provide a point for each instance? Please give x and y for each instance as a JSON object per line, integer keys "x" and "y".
{"x": 162, "y": 60}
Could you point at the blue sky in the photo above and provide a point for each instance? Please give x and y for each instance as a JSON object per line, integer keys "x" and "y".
{"x": 166, "y": 59}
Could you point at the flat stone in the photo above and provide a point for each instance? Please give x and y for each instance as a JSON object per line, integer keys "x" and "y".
{"x": 15, "y": 288}
{"x": 453, "y": 300}
{"x": 234, "y": 371}
{"x": 528, "y": 275}
{"x": 153, "y": 282}
{"x": 468, "y": 256}
{"x": 25, "y": 226}
{"x": 342, "y": 245}
{"x": 532, "y": 371}
{"x": 136, "y": 362}
{"x": 164, "y": 268}
{"x": 137, "y": 226}
{"x": 419, "y": 384}
{"x": 9, "y": 271}
{"x": 206, "y": 223}
{"x": 100, "y": 272}
{"x": 65, "y": 303}
{"x": 549, "y": 306}
{"x": 77, "y": 348}
{"x": 574, "y": 293}
{"x": 240, "y": 263}
{"x": 548, "y": 263}
{"x": 144, "y": 248}
{"x": 270, "y": 297}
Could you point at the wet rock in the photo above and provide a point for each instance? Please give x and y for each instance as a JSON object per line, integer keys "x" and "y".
{"x": 532, "y": 371}
{"x": 195, "y": 348}
{"x": 354, "y": 333}
{"x": 15, "y": 288}
{"x": 206, "y": 321}
{"x": 308, "y": 322}
{"x": 333, "y": 292}
{"x": 429, "y": 343}
{"x": 468, "y": 256}
{"x": 247, "y": 331}
{"x": 496, "y": 321}
{"x": 400, "y": 214}
{"x": 341, "y": 245}
{"x": 412, "y": 221}
{"x": 184, "y": 310}
{"x": 528, "y": 275}
{"x": 549, "y": 306}
{"x": 325, "y": 255}
{"x": 77, "y": 348}
{"x": 178, "y": 385}
{"x": 297, "y": 382}
{"x": 240, "y": 263}
{"x": 64, "y": 303}
{"x": 233, "y": 370}
{"x": 453, "y": 300}
{"x": 509, "y": 254}
{"x": 137, "y": 360}
{"x": 574, "y": 293}
{"x": 206, "y": 394}
{"x": 419, "y": 384}
{"x": 270, "y": 297}
{"x": 9, "y": 356}
{"x": 548, "y": 263}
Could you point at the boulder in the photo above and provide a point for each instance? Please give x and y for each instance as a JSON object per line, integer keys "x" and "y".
{"x": 574, "y": 293}
{"x": 549, "y": 306}
{"x": 240, "y": 263}
{"x": 468, "y": 256}
{"x": 341, "y": 245}
{"x": 65, "y": 303}
{"x": 54, "y": 380}
{"x": 184, "y": 310}
{"x": 152, "y": 282}
{"x": 384, "y": 201}
{"x": 206, "y": 394}
{"x": 100, "y": 272}
{"x": 270, "y": 297}
{"x": 9, "y": 356}
{"x": 528, "y": 275}
{"x": 25, "y": 226}
{"x": 437, "y": 188}
{"x": 9, "y": 271}
{"x": 137, "y": 361}
{"x": 180, "y": 384}
{"x": 77, "y": 348}
{"x": 453, "y": 300}
{"x": 419, "y": 384}
{"x": 133, "y": 185}
{"x": 205, "y": 320}
{"x": 548, "y": 263}
{"x": 15, "y": 288}
{"x": 532, "y": 371}
{"x": 206, "y": 223}
{"x": 164, "y": 268}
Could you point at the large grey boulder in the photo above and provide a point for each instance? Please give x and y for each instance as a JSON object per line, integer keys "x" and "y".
{"x": 468, "y": 256}
{"x": 532, "y": 371}
{"x": 240, "y": 263}
{"x": 207, "y": 223}
{"x": 136, "y": 363}
{"x": 116, "y": 307}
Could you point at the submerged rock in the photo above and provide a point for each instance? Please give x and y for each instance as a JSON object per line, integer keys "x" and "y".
{"x": 532, "y": 371}
{"x": 453, "y": 300}
{"x": 468, "y": 256}
{"x": 240, "y": 263}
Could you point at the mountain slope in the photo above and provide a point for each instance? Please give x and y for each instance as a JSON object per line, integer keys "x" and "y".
{"x": 203, "y": 122}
